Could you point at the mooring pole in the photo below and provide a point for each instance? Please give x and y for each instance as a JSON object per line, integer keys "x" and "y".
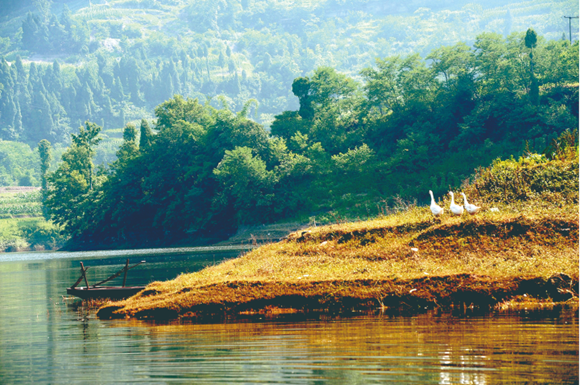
{"x": 126, "y": 270}
{"x": 84, "y": 271}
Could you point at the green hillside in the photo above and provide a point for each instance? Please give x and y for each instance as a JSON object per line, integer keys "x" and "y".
{"x": 180, "y": 121}
{"x": 353, "y": 149}
{"x": 112, "y": 62}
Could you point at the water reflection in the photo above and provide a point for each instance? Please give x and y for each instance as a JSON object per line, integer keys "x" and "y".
{"x": 425, "y": 349}
{"x": 45, "y": 339}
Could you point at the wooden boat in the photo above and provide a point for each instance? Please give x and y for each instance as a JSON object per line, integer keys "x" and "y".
{"x": 98, "y": 291}
{"x": 112, "y": 292}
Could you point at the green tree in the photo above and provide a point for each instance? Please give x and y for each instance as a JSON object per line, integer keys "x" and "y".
{"x": 45, "y": 153}
{"x": 246, "y": 181}
{"x": 129, "y": 149}
{"x": 71, "y": 188}
{"x": 146, "y": 135}
{"x": 301, "y": 87}
{"x": 530, "y": 41}
{"x": 86, "y": 140}
{"x": 381, "y": 88}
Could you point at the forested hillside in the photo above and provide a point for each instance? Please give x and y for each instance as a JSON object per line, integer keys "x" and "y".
{"x": 111, "y": 62}
{"x": 159, "y": 121}
{"x": 353, "y": 147}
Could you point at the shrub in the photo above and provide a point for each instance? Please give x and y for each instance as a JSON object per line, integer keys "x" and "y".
{"x": 565, "y": 147}
{"x": 43, "y": 233}
{"x": 530, "y": 177}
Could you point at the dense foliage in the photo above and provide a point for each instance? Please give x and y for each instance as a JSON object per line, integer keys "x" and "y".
{"x": 21, "y": 227}
{"x": 113, "y": 61}
{"x": 551, "y": 177}
{"x": 18, "y": 164}
{"x": 411, "y": 125}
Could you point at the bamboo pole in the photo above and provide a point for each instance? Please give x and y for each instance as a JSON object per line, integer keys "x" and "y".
{"x": 126, "y": 270}
{"x": 79, "y": 280}
{"x": 117, "y": 274}
{"x": 84, "y": 271}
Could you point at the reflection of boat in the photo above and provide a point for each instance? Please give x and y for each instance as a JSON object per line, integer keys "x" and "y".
{"x": 98, "y": 291}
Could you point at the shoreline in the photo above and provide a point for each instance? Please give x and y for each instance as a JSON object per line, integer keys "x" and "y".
{"x": 416, "y": 296}
{"x": 245, "y": 236}
{"x": 408, "y": 261}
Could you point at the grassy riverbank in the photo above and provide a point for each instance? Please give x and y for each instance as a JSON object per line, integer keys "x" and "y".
{"x": 525, "y": 249}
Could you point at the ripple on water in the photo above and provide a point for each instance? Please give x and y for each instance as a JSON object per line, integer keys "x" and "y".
{"x": 46, "y": 340}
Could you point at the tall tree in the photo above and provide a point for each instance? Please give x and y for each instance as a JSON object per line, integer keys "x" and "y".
{"x": 146, "y": 135}
{"x": 70, "y": 188}
{"x": 530, "y": 41}
{"x": 45, "y": 153}
{"x": 86, "y": 140}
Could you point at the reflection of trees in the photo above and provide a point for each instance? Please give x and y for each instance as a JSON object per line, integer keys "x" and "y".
{"x": 422, "y": 348}
{"x": 45, "y": 340}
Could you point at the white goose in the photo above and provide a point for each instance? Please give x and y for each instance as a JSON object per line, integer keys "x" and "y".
{"x": 435, "y": 208}
{"x": 455, "y": 209}
{"x": 471, "y": 209}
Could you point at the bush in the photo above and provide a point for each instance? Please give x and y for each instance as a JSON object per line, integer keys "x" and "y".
{"x": 551, "y": 176}
{"x": 43, "y": 233}
{"x": 530, "y": 177}
{"x": 565, "y": 147}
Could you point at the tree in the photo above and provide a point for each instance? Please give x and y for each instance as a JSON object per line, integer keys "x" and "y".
{"x": 146, "y": 135}
{"x": 40, "y": 116}
{"x": 86, "y": 140}
{"x": 301, "y": 87}
{"x": 30, "y": 28}
{"x": 381, "y": 84}
{"x": 328, "y": 104}
{"x": 71, "y": 188}
{"x": 43, "y": 7}
{"x": 287, "y": 124}
{"x": 128, "y": 149}
{"x": 530, "y": 41}
{"x": 246, "y": 181}
{"x": 45, "y": 153}
{"x": 531, "y": 38}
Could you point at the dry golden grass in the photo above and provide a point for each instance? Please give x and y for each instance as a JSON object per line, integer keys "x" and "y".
{"x": 407, "y": 259}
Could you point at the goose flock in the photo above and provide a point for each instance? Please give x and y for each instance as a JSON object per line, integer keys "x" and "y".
{"x": 453, "y": 207}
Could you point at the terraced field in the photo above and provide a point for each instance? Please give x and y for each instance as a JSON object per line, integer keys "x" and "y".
{"x": 20, "y": 202}
{"x": 22, "y": 226}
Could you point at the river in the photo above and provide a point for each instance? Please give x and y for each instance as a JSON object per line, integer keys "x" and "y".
{"x": 48, "y": 339}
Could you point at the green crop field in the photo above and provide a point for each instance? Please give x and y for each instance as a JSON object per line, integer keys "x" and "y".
{"x": 22, "y": 226}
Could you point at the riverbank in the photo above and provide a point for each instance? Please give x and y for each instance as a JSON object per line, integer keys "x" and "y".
{"x": 245, "y": 236}
{"x": 521, "y": 249}
{"x": 408, "y": 260}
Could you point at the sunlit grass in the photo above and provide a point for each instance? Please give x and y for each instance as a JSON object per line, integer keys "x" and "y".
{"x": 406, "y": 257}
{"x": 392, "y": 252}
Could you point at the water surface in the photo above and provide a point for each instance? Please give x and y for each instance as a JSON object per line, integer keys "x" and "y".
{"x": 45, "y": 339}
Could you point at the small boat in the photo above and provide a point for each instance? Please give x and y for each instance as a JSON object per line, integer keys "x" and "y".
{"x": 112, "y": 292}
{"x": 98, "y": 291}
